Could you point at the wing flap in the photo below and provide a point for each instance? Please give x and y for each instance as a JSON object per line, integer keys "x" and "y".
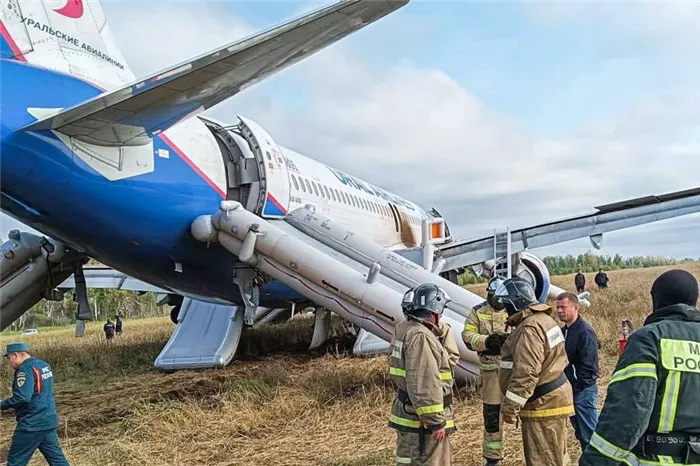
{"x": 133, "y": 114}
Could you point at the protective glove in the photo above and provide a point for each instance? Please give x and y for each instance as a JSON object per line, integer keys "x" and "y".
{"x": 495, "y": 341}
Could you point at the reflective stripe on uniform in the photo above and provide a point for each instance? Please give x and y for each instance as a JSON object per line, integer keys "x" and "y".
{"x": 471, "y": 328}
{"x": 530, "y": 414}
{"x": 403, "y": 460}
{"x": 430, "y": 409}
{"x": 611, "y": 451}
{"x": 506, "y": 364}
{"x": 493, "y": 445}
{"x": 445, "y": 375}
{"x": 606, "y": 448}
{"x": 404, "y": 422}
{"x": 484, "y": 316}
{"x": 669, "y": 404}
{"x": 449, "y": 423}
{"x": 397, "y": 371}
{"x": 488, "y": 367}
{"x": 516, "y": 398}
{"x": 474, "y": 339}
{"x": 641, "y": 369}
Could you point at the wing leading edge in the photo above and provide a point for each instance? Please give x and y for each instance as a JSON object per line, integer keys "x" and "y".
{"x": 611, "y": 217}
{"x": 133, "y": 114}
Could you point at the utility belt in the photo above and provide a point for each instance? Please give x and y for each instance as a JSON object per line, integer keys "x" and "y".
{"x": 679, "y": 446}
{"x": 545, "y": 388}
{"x": 403, "y": 397}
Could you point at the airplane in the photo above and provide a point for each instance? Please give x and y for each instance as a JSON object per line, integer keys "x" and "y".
{"x": 128, "y": 171}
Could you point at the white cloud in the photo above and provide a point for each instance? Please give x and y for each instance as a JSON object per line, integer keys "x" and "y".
{"x": 671, "y": 22}
{"x": 164, "y": 34}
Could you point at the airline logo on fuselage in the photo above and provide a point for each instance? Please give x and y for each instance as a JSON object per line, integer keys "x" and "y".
{"x": 72, "y": 9}
{"x": 368, "y": 188}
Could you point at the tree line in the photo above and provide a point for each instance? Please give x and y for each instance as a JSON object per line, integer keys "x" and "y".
{"x": 588, "y": 262}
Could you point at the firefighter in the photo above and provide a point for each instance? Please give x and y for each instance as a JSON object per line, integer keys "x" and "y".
{"x": 651, "y": 414}
{"x": 533, "y": 383}
{"x": 484, "y": 332}
{"x": 422, "y": 358}
{"x": 35, "y": 409}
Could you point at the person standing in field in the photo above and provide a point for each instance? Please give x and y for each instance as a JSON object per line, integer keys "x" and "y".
{"x": 580, "y": 282}
{"x": 35, "y": 409}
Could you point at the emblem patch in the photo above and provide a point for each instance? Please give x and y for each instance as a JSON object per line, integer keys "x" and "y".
{"x": 21, "y": 378}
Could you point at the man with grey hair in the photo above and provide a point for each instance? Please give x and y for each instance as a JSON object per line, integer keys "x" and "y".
{"x": 581, "y": 345}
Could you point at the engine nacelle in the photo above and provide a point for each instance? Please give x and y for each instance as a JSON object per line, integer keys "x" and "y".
{"x": 526, "y": 266}
{"x": 30, "y": 268}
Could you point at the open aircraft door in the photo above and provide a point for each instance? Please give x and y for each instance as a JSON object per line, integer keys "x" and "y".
{"x": 274, "y": 175}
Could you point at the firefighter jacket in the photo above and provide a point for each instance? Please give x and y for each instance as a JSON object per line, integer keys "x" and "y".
{"x": 533, "y": 360}
{"x": 422, "y": 370}
{"x": 654, "y": 390}
{"x": 481, "y": 322}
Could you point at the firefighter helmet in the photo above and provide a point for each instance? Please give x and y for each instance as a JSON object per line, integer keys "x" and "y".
{"x": 517, "y": 294}
{"x": 424, "y": 301}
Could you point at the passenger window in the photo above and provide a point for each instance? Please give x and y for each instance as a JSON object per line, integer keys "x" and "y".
{"x": 301, "y": 182}
{"x": 294, "y": 180}
{"x": 325, "y": 189}
{"x": 308, "y": 185}
{"x": 333, "y": 194}
{"x": 315, "y": 190}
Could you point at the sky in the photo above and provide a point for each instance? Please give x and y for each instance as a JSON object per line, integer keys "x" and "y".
{"x": 495, "y": 113}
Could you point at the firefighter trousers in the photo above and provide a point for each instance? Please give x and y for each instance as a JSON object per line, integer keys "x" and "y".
{"x": 408, "y": 450}
{"x": 491, "y": 397}
{"x": 544, "y": 442}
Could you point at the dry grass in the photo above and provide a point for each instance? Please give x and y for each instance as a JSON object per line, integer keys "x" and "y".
{"x": 287, "y": 409}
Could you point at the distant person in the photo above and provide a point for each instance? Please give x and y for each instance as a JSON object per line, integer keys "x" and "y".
{"x": 651, "y": 413}
{"x": 580, "y": 282}
{"x": 601, "y": 279}
{"x": 109, "y": 330}
{"x": 118, "y": 325}
{"x": 35, "y": 409}
{"x": 581, "y": 344}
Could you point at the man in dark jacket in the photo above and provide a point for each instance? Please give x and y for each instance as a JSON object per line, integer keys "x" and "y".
{"x": 109, "y": 330}
{"x": 35, "y": 409}
{"x": 581, "y": 345}
{"x": 118, "y": 325}
{"x": 580, "y": 282}
{"x": 651, "y": 413}
{"x": 601, "y": 279}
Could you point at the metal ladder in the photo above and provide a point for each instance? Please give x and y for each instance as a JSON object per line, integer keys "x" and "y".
{"x": 502, "y": 253}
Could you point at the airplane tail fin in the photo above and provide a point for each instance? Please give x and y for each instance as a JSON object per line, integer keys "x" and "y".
{"x": 68, "y": 36}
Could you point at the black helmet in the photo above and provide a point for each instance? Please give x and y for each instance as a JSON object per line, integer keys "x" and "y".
{"x": 517, "y": 294}
{"x": 424, "y": 301}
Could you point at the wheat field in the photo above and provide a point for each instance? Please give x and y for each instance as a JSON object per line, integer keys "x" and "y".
{"x": 288, "y": 408}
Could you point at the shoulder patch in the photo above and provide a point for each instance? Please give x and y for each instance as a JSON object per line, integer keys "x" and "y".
{"x": 21, "y": 378}
{"x": 554, "y": 336}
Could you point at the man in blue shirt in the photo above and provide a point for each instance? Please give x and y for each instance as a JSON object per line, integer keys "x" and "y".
{"x": 35, "y": 409}
{"x": 581, "y": 345}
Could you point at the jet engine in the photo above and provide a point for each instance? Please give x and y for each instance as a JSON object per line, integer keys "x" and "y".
{"x": 30, "y": 268}
{"x": 524, "y": 265}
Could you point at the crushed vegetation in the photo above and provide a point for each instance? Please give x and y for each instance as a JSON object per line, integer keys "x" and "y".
{"x": 292, "y": 407}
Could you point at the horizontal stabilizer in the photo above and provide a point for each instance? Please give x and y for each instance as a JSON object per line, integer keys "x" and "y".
{"x": 133, "y": 114}
{"x": 610, "y": 217}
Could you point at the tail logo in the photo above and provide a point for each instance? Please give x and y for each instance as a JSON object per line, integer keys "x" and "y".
{"x": 72, "y": 9}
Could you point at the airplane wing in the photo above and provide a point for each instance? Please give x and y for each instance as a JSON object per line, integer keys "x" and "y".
{"x": 108, "y": 278}
{"x": 133, "y": 114}
{"x": 610, "y": 217}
